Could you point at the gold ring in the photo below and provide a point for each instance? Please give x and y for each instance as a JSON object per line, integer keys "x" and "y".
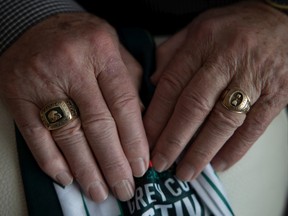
{"x": 236, "y": 100}
{"x": 58, "y": 113}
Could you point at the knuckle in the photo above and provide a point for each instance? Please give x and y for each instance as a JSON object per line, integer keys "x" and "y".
{"x": 66, "y": 52}
{"x": 102, "y": 123}
{"x": 193, "y": 104}
{"x": 104, "y": 39}
{"x": 220, "y": 65}
{"x": 168, "y": 87}
{"x": 115, "y": 165}
{"x": 123, "y": 101}
{"x": 111, "y": 67}
{"x": 133, "y": 146}
{"x": 202, "y": 154}
{"x": 249, "y": 137}
{"x": 243, "y": 42}
{"x": 205, "y": 28}
{"x": 71, "y": 133}
{"x": 104, "y": 43}
{"x": 223, "y": 122}
{"x": 102, "y": 32}
{"x": 34, "y": 62}
{"x": 65, "y": 49}
{"x": 173, "y": 146}
{"x": 164, "y": 97}
{"x": 246, "y": 40}
{"x": 171, "y": 82}
{"x": 98, "y": 118}
{"x": 206, "y": 25}
{"x": 255, "y": 128}
{"x": 28, "y": 129}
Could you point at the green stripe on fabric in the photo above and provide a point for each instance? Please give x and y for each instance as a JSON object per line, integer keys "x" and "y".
{"x": 120, "y": 208}
{"x": 218, "y": 192}
{"x": 202, "y": 209}
{"x": 193, "y": 205}
{"x": 85, "y": 205}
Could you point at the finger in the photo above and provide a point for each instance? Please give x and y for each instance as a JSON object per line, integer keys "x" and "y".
{"x": 100, "y": 130}
{"x": 176, "y": 76}
{"x": 166, "y": 51}
{"x": 123, "y": 103}
{"x": 258, "y": 119}
{"x": 73, "y": 144}
{"x": 40, "y": 142}
{"x": 193, "y": 106}
{"x": 217, "y": 129}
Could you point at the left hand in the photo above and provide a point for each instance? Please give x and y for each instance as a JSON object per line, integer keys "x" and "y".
{"x": 242, "y": 46}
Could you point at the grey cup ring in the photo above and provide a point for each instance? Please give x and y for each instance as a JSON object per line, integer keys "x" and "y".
{"x": 58, "y": 113}
{"x": 236, "y": 100}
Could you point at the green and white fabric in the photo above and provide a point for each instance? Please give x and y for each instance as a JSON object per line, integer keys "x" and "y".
{"x": 156, "y": 194}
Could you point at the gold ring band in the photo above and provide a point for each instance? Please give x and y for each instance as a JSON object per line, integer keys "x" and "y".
{"x": 236, "y": 100}
{"x": 58, "y": 113}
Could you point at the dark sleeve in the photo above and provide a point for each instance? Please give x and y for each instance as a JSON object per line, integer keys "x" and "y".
{"x": 16, "y": 16}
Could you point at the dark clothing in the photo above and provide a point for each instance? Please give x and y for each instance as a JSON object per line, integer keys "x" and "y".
{"x": 157, "y": 16}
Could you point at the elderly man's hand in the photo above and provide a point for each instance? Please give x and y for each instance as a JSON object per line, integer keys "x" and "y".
{"x": 78, "y": 56}
{"x": 243, "y": 46}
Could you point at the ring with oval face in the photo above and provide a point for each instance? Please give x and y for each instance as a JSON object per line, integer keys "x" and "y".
{"x": 236, "y": 100}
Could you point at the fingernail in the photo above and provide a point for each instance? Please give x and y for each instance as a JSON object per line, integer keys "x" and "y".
{"x": 159, "y": 162}
{"x": 64, "y": 179}
{"x": 219, "y": 165}
{"x": 124, "y": 190}
{"x": 98, "y": 192}
{"x": 138, "y": 167}
{"x": 185, "y": 172}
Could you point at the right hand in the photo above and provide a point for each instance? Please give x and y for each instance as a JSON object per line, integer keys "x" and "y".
{"x": 78, "y": 56}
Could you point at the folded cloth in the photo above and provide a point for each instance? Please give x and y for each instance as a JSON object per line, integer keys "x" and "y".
{"x": 158, "y": 194}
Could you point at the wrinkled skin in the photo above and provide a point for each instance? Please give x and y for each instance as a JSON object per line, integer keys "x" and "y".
{"x": 78, "y": 56}
{"x": 240, "y": 46}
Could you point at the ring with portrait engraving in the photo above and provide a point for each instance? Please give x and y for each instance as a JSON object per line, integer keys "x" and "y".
{"x": 236, "y": 100}
{"x": 58, "y": 113}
